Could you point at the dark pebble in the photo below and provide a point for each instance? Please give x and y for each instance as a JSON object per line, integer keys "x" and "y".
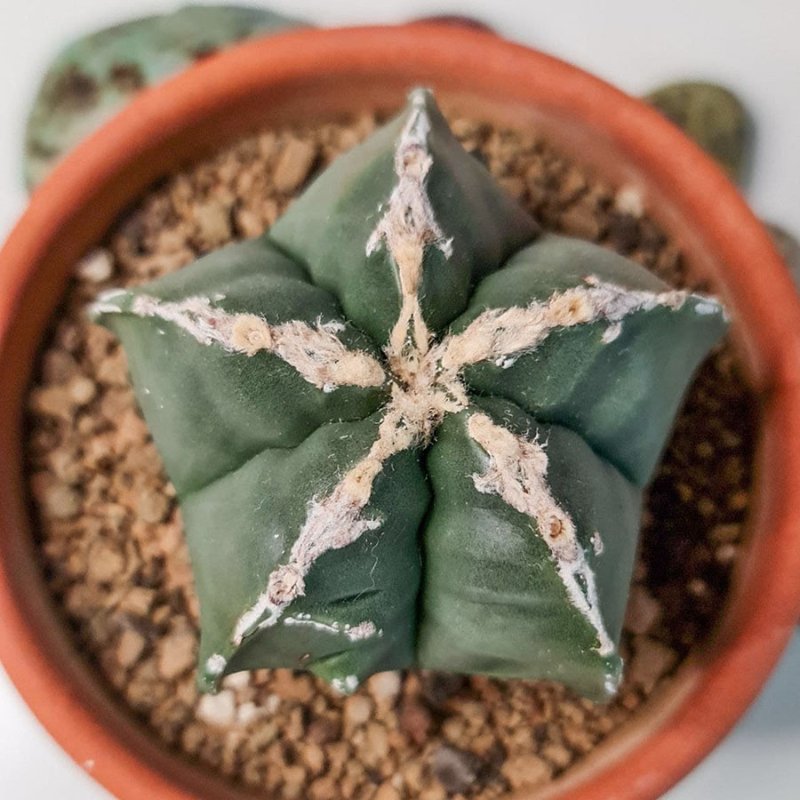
{"x": 324, "y": 731}
{"x": 457, "y": 770}
{"x": 416, "y": 720}
{"x": 127, "y": 77}
{"x": 439, "y": 687}
{"x": 73, "y": 89}
{"x": 623, "y": 232}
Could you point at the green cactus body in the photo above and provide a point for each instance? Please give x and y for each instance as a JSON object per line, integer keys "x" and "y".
{"x": 95, "y": 76}
{"x": 406, "y": 429}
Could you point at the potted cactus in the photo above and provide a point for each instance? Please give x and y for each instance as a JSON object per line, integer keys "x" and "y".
{"x": 376, "y": 374}
{"x": 404, "y": 332}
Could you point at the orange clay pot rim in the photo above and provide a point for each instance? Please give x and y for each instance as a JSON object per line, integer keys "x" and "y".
{"x": 725, "y": 685}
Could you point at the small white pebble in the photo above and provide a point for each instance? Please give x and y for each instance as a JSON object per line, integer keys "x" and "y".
{"x": 697, "y": 587}
{"x": 237, "y": 681}
{"x": 248, "y": 712}
{"x": 217, "y": 709}
{"x": 81, "y": 390}
{"x": 629, "y": 200}
{"x": 272, "y": 704}
{"x": 61, "y": 502}
{"x": 726, "y": 553}
{"x": 384, "y": 686}
{"x": 96, "y": 267}
{"x": 611, "y": 333}
{"x": 357, "y": 710}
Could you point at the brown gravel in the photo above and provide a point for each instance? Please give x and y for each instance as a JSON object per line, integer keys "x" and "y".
{"x": 114, "y": 554}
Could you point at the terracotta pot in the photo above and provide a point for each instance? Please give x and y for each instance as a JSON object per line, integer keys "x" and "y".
{"x": 316, "y": 74}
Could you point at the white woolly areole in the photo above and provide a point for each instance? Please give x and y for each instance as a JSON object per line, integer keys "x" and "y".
{"x": 517, "y": 472}
{"x": 501, "y": 333}
{"x": 355, "y": 633}
{"x": 105, "y": 303}
{"x": 708, "y": 306}
{"x": 345, "y": 685}
{"x": 612, "y": 332}
{"x": 215, "y": 665}
{"x": 314, "y": 351}
{"x": 409, "y": 225}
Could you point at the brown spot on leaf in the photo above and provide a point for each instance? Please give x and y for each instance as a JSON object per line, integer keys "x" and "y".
{"x": 556, "y": 528}
{"x": 459, "y": 771}
{"x": 39, "y": 149}
{"x": 203, "y": 51}
{"x": 126, "y": 77}
{"x": 74, "y": 90}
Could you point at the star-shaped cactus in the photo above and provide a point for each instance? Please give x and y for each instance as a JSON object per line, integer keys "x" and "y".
{"x": 407, "y": 429}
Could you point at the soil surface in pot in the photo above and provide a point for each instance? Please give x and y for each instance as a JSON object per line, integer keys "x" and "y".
{"x": 115, "y": 559}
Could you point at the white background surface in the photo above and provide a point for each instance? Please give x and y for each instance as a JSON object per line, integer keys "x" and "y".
{"x": 636, "y": 44}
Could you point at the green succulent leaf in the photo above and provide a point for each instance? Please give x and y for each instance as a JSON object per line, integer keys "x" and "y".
{"x": 210, "y": 409}
{"x": 332, "y": 227}
{"x": 358, "y": 613}
{"x": 491, "y": 585}
{"x": 366, "y": 488}
{"x": 599, "y": 379}
{"x": 96, "y": 75}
